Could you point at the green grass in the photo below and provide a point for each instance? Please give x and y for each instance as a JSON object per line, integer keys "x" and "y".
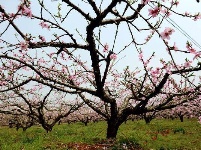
{"x": 164, "y": 134}
{"x": 159, "y": 134}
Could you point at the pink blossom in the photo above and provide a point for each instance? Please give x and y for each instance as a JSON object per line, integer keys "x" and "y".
{"x": 44, "y": 25}
{"x": 41, "y": 60}
{"x": 197, "y": 54}
{"x": 106, "y": 47}
{"x": 113, "y": 56}
{"x": 72, "y": 77}
{"x": 63, "y": 55}
{"x": 166, "y": 33}
{"x": 140, "y": 56}
{"x": 154, "y": 12}
{"x": 25, "y": 10}
{"x": 2, "y": 15}
{"x": 166, "y": 12}
{"x": 175, "y": 47}
{"x": 12, "y": 15}
{"x": 3, "y": 83}
{"x": 187, "y": 13}
{"x": 155, "y": 72}
{"x": 42, "y": 38}
{"x": 190, "y": 48}
{"x": 176, "y": 2}
{"x": 64, "y": 70}
{"x": 148, "y": 38}
{"x": 146, "y": 63}
{"x": 198, "y": 16}
{"x": 187, "y": 64}
{"x": 23, "y": 45}
{"x": 145, "y": 2}
{"x": 168, "y": 70}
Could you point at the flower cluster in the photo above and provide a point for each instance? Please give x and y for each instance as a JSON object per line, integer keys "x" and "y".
{"x": 25, "y": 10}
{"x": 193, "y": 51}
{"x": 145, "y": 2}
{"x": 44, "y": 25}
{"x": 23, "y": 45}
{"x": 113, "y": 56}
{"x": 42, "y": 38}
{"x": 166, "y": 33}
{"x": 155, "y": 11}
{"x": 106, "y": 47}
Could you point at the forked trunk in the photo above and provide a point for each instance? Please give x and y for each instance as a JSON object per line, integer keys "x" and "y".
{"x": 47, "y": 127}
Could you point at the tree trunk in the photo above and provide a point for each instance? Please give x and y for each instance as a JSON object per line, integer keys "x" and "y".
{"x": 47, "y": 127}
{"x": 112, "y": 128}
{"x": 85, "y": 123}
{"x": 147, "y": 119}
{"x": 181, "y": 117}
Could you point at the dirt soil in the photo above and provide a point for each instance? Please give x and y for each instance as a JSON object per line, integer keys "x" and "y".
{"x": 103, "y": 145}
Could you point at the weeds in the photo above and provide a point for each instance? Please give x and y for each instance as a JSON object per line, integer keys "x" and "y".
{"x": 158, "y": 135}
{"x": 179, "y": 130}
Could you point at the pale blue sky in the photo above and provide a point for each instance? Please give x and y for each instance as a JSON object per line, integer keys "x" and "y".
{"x": 74, "y": 21}
{"x": 130, "y": 56}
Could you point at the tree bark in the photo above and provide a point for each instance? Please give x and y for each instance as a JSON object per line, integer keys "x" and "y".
{"x": 181, "y": 117}
{"x": 112, "y": 128}
{"x": 147, "y": 119}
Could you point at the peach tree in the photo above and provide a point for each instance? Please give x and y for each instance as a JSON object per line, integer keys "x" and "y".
{"x": 121, "y": 57}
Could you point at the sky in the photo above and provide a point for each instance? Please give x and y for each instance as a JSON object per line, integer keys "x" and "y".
{"x": 128, "y": 57}
{"x": 74, "y": 21}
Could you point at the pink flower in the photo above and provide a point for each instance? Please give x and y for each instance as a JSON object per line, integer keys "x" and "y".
{"x": 198, "y": 16}
{"x": 154, "y": 12}
{"x": 190, "y": 48}
{"x": 176, "y": 2}
{"x": 2, "y": 16}
{"x": 72, "y": 77}
{"x": 175, "y": 47}
{"x": 2, "y": 83}
{"x": 166, "y": 12}
{"x": 44, "y": 25}
{"x": 41, "y": 61}
{"x": 23, "y": 45}
{"x": 64, "y": 70}
{"x": 25, "y": 10}
{"x": 113, "y": 56}
{"x": 187, "y": 64}
{"x": 155, "y": 72}
{"x": 51, "y": 54}
{"x": 106, "y": 47}
{"x": 166, "y": 33}
{"x": 11, "y": 15}
{"x": 140, "y": 56}
{"x": 187, "y": 13}
{"x": 145, "y": 2}
{"x": 168, "y": 70}
{"x": 42, "y": 38}
{"x": 197, "y": 54}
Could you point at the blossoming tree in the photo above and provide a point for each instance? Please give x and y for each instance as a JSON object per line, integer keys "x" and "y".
{"x": 30, "y": 105}
{"x": 99, "y": 51}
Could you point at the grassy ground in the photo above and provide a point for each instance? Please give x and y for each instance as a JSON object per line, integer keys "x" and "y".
{"x": 159, "y": 134}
